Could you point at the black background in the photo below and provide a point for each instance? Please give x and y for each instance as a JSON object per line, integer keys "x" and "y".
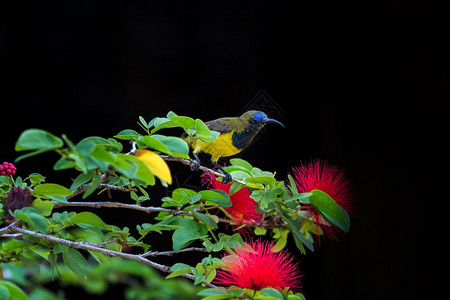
{"x": 358, "y": 83}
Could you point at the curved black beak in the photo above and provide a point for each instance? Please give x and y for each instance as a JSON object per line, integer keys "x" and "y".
{"x": 268, "y": 120}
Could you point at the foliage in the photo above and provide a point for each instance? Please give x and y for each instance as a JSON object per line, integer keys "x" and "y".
{"x": 80, "y": 248}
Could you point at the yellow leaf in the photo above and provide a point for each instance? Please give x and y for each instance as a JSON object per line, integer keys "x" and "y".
{"x": 156, "y": 164}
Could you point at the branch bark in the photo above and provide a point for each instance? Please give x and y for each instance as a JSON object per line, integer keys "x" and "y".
{"x": 148, "y": 209}
{"x": 190, "y": 162}
{"x": 12, "y": 228}
{"x": 81, "y": 189}
{"x": 171, "y": 253}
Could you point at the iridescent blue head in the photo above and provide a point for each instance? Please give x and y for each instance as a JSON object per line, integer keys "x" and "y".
{"x": 258, "y": 118}
{"x": 250, "y": 123}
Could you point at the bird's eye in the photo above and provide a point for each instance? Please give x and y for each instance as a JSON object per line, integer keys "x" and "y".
{"x": 258, "y": 117}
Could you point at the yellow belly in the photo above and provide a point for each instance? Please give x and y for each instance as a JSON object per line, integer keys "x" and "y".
{"x": 221, "y": 147}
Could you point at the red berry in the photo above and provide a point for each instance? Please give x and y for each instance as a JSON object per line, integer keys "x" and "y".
{"x": 7, "y": 169}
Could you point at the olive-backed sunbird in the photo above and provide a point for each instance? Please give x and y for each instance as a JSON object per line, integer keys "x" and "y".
{"x": 236, "y": 133}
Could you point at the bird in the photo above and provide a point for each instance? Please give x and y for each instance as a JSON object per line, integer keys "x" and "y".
{"x": 235, "y": 134}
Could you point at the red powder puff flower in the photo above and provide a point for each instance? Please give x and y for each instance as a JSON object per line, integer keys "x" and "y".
{"x": 256, "y": 266}
{"x": 242, "y": 207}
{"x": 320, "y": 175}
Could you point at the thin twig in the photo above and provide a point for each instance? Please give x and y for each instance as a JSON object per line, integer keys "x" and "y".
{"x": 171, "y": 253}
{"x": 190, "y": 162}
{"x": 91, "y": 247}
{"x": 8, "y": 229}
{"x": 148, "y": 209}
{"x": 81, "y": 189}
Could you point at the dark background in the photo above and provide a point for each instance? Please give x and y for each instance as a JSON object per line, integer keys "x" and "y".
{"x": 358, "y": 83}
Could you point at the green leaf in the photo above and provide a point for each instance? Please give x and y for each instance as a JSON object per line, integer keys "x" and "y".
{"x": 261, "y": 179}
{"x": 212, "y": 291}
{"x": 260, "y": 231}
{"x": 183, "y": 237}
{"x": 183, "y": 195}
{"x": 35, "y": 221}
{"x": 43, "y": 207}
{"x": 142, "y": 172}
{"x": 295, "y": 227}
{"x": 205, "y": 219}
{"x": 99, "y": 141}
{"x": 156, "y": 144}
{"x": 201, "y": 128}
{"x": 296, "y": 296}
{"x": 99, "y": 257}
{"x": 85, "y": 147}
{"x": 345, "y": 226}
{"x": 219, "y": 296}
{"x": 199, "y": 278}
{"x": 216, "y": 196}
{"x": 281, "y": 236}
{"x": 232, "y": 241}
{"x": 270, "y": 292}
{"x": 36, "y": 178}
{"x": 127, "y": 134}
{"x": 93, "y": 185}
{"x": 52, "y": 189}
{"x": 210, "y": 274}
{"x": 76, "y": 262}
{"x": 302, "y": 197}
{"x": 14, "y": 292}
{"x": 63, "y": 164}
{"x": 59, "y": 248}
{"x": 292, "y": 186}
{"x": 182, "y": 121}
{"x": 87, "y": 218}
{"x": 37, "y": 139}
{"x": 264, "y": 197}
{"x": 82, "y": 179}
{"x": 235, "y": 186}
{"x": 143, "y": 122}
{"x": 33, "y": 153}
{"x": 179, "y": 272}
{"x": 210, "y": 138}
{"x": 177, "y": 146}
{"x": 57, "y": 198}
{"x": 161, "y": 123}
{"x": 171, "y": 114}
{"x": 241, "y": 163}
{"x": 4, "y": 292}
{"x": 100, "y": 153}
{"x": 327, "y": 206}
{"x": 179, "y": 269}
{"x": 238, "y": 174}
{"x": 180, "y": 266}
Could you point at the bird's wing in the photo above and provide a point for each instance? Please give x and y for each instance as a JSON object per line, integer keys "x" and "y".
{"x": 222, "y": 125}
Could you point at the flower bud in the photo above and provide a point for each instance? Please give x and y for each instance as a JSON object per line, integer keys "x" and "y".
{"x": 17, "y": 199}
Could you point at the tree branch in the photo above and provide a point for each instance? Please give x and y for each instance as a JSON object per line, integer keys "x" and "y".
{"x": 84, "y": 187}
{"x": 9, "y": 228}
{"x": 148, "y": 209}
{"x": 190, "y": 162}
{"x": 171, "y": 253}
{"x": 90, "y": 247}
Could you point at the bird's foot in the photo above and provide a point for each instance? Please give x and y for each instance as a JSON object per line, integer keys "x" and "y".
{"x": 227, "y": 177}
{"x": 196, "y": 164}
